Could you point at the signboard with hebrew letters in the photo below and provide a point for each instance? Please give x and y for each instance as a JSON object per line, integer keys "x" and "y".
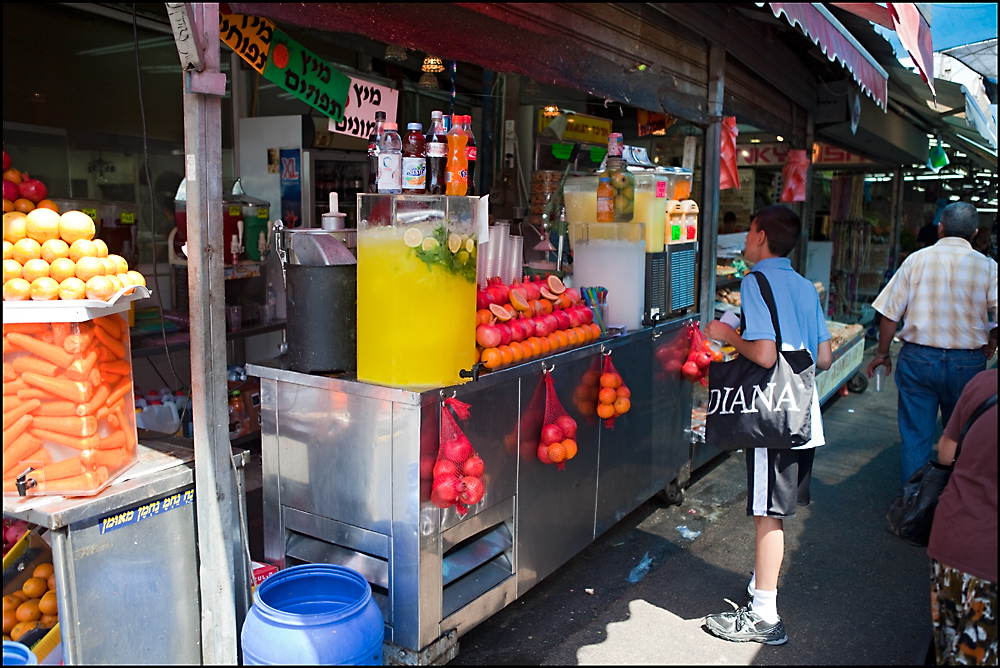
{"x": 306, "y": 76}
{"x": 363, "y": 100}
{"x": 249, "y": 36}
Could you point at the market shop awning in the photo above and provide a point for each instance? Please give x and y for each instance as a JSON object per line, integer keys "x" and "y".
{"x": 837, "y": 43}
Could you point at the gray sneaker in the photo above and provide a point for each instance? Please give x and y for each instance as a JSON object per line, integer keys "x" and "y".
{"x": 745, "y": 625}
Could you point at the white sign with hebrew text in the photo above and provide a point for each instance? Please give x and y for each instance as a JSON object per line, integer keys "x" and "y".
{"x": 363, "y": 100}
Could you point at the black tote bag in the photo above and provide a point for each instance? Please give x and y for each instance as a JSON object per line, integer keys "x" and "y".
{"x": 753, "y": 407}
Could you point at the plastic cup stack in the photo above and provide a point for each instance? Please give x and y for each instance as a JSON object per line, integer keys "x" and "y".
{"x": 499, "y": 239}
{"x": 482, "y": 264}
{"x": 515, "y": 259}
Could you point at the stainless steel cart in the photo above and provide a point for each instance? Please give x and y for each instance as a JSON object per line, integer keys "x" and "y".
{"x": 341, "y": 483}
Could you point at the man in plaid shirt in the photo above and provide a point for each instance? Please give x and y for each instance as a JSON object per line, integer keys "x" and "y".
{"x": 946, "y": 296}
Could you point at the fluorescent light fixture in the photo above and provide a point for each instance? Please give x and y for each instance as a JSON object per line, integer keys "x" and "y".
{"x": 932, "y": 177}
{"x": 991, "y": 210}
{"x": 754, "y": 141}
{"x": 953, "y": 198}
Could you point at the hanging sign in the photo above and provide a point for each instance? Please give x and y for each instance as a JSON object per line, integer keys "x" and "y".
{"x": 363, "y": 100}
{"x": 285, "y": 62}
{"x": 652, "y": 123}
{"x": 580, "y": 128}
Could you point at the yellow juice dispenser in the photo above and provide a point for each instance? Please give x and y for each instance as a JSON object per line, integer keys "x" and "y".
{"x": 650, "y": 210}
{"x": 416, "y": 289}
{"x": 580, "y": 199}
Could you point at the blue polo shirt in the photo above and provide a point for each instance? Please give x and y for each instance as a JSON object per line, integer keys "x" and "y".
{"x": 800, "y": 312}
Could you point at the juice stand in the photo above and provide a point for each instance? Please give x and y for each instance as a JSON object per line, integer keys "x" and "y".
{"x": 346, "y": 459}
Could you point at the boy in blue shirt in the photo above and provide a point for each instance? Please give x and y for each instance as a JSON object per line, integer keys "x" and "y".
{"x": 777, "y": 479}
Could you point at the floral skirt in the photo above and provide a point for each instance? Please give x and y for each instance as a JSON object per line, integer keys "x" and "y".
{"x": 963, "y": 609}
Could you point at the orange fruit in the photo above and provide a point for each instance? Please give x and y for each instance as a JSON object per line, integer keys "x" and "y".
{"x": 48, "y": 621}
{"x": 127, "y": 282}
{"x": 33, "y": 269}
{"x": 42, "y": 225}
{"x": 546, "y": 346}
{"x": 47, "y": 204}
{"x": 75, "y": 225}
{"x": 555, "y": 285}
{"x": 51, "y": 582}
{"x": 44, "y": 289}
{"x": 28, "y": 611}
{"x": 571, "y": 337}
{"x": 571, "y": 448}
{"x": 8, "y": 206}
{"x": 48, "y": 604}
{"x": 115, "y": 282}
{"x": 21, "y": 629}
{"x": 102, "y": 248}
{"x": 557, "y": 452}
{"x": 519, "y": 300}
{"x": 622, "y": 404}
{"x": 137, "y": 278}
{"x": 34, "y": 588}
{"x": 605, "y": 411}
{"x": 607, "y": 395}
{"x": 19, "y": 595}
{"x": 72, "y": 288}
{"x": 23, "y": 205}
{"x": 561, "y": 339}
{"x": 491, "y": 358}
{"x": 595, "y": 329}
{"x": 15, "y": 226}
{"x": 43, "y": 570}
{"x": 9, "y": 620}
{"x": 536, "y": 346}
{"x": 505, "y": 354}
{"x": 26, "y": 249}
{"x": 516, "y": 350}
{"x": 100, "y": 287}
{"x": 54, "y": 248}
{"x": 623, "y": 391}
{"x": 16, "y": 290}
{"x": 8, "y": 250}
{"x": 88, "y": 267}
{"x": 62, "y": 268}
{"x": 611, "y": 380}
{"x": 110, "y": 266}
{"x": 10, "y": 603}
{"x": 82, "y": 248}
{"x": 483, "y": 315}
{"x": 546, "y": 306}
{"x": 13, "y": 175}
{"x": 591, "y": 378}
{"x": 11, "y": 270}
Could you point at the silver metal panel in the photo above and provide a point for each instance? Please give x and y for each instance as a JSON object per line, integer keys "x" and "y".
{"x": 546, "y": 540}
{"x": 500, "y": 512}
{"x": 141, "y": 580}
{"x": 336, "y": 532}
{"x": 481, "y": 608}
{"x": 274, "y": 528}
{"x": 671, "y": 402}
{"x": 477, "y": 583}
{"x": 277, "y": 369}
{"x": 625, "y": 474}
{"x": 313, "y": 551}
{"x": 469, "y": 557}
{"x": 335, "y": 451}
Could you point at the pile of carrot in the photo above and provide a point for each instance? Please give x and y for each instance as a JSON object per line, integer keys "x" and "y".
{"x": 60, "y": 382}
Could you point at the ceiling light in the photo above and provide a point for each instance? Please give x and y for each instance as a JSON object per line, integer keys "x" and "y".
{"x": 754, "y": 141}
{"x": 550, "y": 111}
{"x": 746, "y": 154}
{"x": 428, "y": 80}
{"x": 395, "y": 52}
{"x": 432, "y": 64}
{"x": 780, "y": 138}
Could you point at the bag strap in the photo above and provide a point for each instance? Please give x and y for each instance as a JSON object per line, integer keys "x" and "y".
{"x": 768, "y": 295}
{"x": 983, "y": 407}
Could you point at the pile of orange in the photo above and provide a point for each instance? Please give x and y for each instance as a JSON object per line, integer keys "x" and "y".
{"x": 49, "y": 256}
{"x": 535, "y": 346}
{"x": 34, "y": 605}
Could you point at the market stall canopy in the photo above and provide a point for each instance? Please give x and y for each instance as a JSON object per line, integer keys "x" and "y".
{"x": 837, "y": 43}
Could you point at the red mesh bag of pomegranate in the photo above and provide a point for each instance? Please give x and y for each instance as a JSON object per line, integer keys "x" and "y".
{"x": 614, "y": 397}
{"x": 558, "y": 438}
{"x": 699, "y": 356}
{"x": 458, "y": 471}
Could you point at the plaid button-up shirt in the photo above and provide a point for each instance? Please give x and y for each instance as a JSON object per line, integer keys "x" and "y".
{"x": 943, "y": 294}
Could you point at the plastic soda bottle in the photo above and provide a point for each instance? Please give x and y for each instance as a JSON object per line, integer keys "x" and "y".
{"x": 457, "y": 173}
{"x": 470, "y": 154}
{"x": 436, "y": 148}
{"x": 414, "y": 160}
{"x": 373, "y": 152}
{"x": 605, "y": 201}
{"x": 390, "y": 161}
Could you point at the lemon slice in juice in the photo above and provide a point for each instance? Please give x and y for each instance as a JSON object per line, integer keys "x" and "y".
{"x": 429, "y": 244}
{"x": 412, "y": 237}
{"x": 454, "y": 242}
{"x": 470, "y": 245}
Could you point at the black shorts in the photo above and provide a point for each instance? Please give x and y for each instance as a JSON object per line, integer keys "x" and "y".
{"x": 777, "y": 481}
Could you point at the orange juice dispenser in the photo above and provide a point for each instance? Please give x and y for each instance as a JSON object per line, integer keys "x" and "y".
{"x": 416, "y": 289}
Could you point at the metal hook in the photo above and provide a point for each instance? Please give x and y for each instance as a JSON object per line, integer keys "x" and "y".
{"x": 548, "y": 369}
{"x": 441, "y": 392}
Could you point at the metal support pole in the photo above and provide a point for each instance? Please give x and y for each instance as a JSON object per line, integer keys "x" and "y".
{"x": 487, "y": 139}
{"x": 897, "y": 217}
{"x": 237, "y": 84}
{"x": 711, "y": 165}
{"x": 806, "y": 211}
{"x": 214, "y": 475}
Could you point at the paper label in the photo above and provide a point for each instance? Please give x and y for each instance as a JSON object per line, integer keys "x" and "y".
{"x": 414, "y": 173}
{"x": 437, "y": 149}
{"x": 661, "y": 189}
{"x": 389, "y": 173}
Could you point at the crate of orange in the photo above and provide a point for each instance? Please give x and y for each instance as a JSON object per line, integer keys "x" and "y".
{"x": 68, "y": 418}
{"x": 30, "y": 607}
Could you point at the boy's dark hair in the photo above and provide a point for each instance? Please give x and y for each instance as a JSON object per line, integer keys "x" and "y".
{"x": 782, "y": 227}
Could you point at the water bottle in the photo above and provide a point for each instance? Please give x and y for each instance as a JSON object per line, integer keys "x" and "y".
{"x": 390, "y": 161}
{"x": 272, "y": 304}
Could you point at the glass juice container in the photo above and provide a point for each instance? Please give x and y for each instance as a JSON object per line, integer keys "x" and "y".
{"x": 416, "y": 289}
{"x": 580, "y": 199}
{"x": 611, "y": 255}
{"x": 651, "y": 207}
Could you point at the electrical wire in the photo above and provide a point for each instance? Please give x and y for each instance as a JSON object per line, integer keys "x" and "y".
{"x": 152, "y": 202}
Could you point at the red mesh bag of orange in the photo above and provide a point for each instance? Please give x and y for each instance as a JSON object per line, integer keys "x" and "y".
{"x": 558, "y": 438}
{"x": 458, "y": 471}
{"x": 614, "y": 397}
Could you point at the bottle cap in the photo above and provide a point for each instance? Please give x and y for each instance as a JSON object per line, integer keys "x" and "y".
{"x": 415, "y": 126}
{"x": 456, "y": 119}
{"x": 390, "y": 126}
{"x": 379, "y": 115}
{"x": 605, "y": 178}
{"x": 437, "y": 114}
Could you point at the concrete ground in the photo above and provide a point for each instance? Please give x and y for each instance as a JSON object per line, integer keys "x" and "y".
{"x": 849, "y": 592}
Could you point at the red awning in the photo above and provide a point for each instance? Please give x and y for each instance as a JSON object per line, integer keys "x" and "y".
{"x": 838, "y": 44}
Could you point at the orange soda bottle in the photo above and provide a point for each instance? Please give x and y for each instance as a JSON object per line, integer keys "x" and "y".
{"x": 457, "y": 167}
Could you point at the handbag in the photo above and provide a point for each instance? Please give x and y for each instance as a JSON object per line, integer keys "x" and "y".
{"x": 754, "y": 407}
{"x": 912, "y": 512}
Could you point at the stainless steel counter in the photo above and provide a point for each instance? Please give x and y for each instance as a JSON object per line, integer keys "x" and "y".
{"x": 341, "y": 482}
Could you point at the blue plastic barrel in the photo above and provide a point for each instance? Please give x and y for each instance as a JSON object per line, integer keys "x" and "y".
{"x": 313, "y": 614}
{"x": 16, "y": 654}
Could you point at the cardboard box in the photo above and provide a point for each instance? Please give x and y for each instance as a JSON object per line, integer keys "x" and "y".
{"x": 261, "y": 572}
{"x": 19, "y": 564}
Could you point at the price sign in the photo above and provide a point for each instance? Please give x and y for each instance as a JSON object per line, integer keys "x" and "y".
{"x": 91, "y": 212}
{"x": 661, "y": 189}
{"x": 306, "y": 76}
{"x": 128, "y": 218}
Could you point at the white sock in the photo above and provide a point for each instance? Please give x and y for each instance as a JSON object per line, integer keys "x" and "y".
{"x": 765, "y": 604}
{"x": 753, "y": 582}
